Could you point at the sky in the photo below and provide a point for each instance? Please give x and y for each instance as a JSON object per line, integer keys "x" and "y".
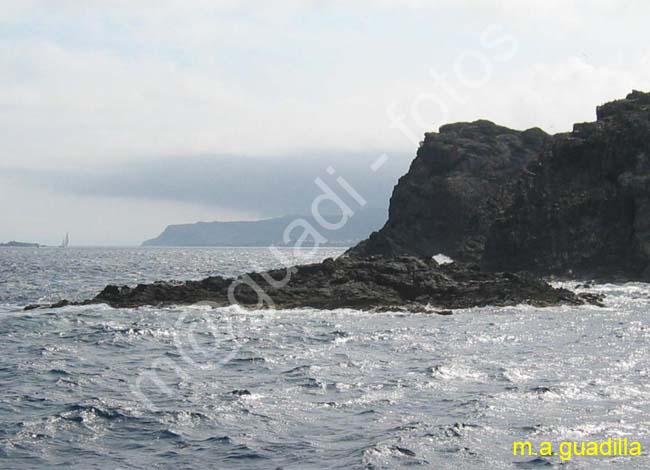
{"x": 112, "y": 114}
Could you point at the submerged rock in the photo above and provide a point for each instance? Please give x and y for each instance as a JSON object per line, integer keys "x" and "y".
{"x": 372, "y": 283}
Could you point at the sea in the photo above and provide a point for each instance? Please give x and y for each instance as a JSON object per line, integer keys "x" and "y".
{"x": 194, "y": 387}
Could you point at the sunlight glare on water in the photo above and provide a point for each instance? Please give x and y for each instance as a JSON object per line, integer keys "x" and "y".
{"x": 304, "y": 389}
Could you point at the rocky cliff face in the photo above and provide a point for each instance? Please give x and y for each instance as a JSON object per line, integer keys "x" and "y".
{"x": 584, "y": 206}
{"x": 456, "y": 186}
{"x": 576, "y": 203}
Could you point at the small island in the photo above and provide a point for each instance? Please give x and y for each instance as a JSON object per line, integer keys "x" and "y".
{"x": 15, "y": 244}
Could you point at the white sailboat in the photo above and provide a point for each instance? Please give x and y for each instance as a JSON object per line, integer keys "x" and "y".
{"x": 66, "y": 241}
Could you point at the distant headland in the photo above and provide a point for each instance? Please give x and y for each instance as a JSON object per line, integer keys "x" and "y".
{"x": 269, "y": 232}
{"x": 15, "y": 244}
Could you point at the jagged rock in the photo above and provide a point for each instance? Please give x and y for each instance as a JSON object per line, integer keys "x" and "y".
{"x": 574, "y": 204}
{"x": 584, "y": 208}
{"x": 456, "y": 186}
{"x": 373, "y": 283}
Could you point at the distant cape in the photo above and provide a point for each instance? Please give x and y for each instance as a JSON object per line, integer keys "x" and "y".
{"x": 14, "y": 244}
{"x": 270, "y": 232}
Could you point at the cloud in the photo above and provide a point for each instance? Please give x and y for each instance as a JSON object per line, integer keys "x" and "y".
{"x": 133, "y": 201}
{"x": 83, "y": 83}
{"x": 90, "y": 90}
{"x": 264, "y": 187}
{"x": 42, "y": 215}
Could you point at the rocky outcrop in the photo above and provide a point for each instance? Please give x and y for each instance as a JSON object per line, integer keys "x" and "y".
{"x": 456, "y": 186}
{"x": 583, "y": 207}
{"x": 374, "y": 283}
{"x": 573, "y": 204}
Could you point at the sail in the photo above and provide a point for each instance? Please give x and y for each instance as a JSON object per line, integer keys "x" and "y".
{"x": 66, "y": 241}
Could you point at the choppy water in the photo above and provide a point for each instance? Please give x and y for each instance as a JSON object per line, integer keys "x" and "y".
{"x": 193, "y": 387}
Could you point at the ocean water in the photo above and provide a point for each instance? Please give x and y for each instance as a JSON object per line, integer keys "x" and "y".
{"x": 227, "y": 388}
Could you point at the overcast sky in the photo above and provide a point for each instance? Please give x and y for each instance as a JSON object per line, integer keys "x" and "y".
{"x": 97, "y": 87}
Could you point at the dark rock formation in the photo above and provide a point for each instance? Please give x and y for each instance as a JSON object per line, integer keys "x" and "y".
{"x": 583, "y": 208}
{"x": 456, "y": 186}
{"x": 574, "y": 204}
{"x": 375, "y": 283}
